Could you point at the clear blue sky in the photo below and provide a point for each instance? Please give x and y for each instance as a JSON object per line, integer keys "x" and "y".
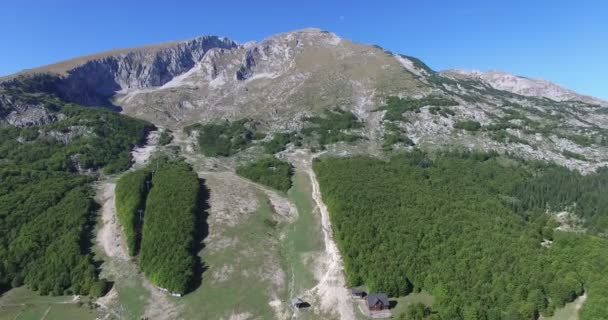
{"x": 559, "y": 40}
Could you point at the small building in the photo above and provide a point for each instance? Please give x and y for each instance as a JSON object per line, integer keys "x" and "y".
{"x": 377, "y": 301}
{"x": 357, "y": 292}
{"x": 298, "y": 303}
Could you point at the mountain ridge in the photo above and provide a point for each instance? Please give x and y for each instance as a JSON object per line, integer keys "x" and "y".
{"x": 493, "y": 77}
{"x": 287, "y": 78}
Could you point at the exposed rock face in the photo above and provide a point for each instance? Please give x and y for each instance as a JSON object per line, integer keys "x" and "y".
{"x": 21, "y": 114}
{"x": 93, "y": 82}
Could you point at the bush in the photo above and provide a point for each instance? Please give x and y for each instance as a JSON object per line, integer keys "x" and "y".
{"x": 99, "y": 288}
{"x": 268, "y": 171}
{"x": 395, "y": 106}
{"x": 165, "y": 138}
{"x": 280, "y": 141}
{"x": 574, "y": 155}
{"x": 468, "y": 125}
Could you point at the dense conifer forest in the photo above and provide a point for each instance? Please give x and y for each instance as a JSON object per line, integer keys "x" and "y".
{"x": 131, "y": 192}
{"x": 169, "y": 238}
{"x": 470, "y": 229}
{"x": 46, "y": 204}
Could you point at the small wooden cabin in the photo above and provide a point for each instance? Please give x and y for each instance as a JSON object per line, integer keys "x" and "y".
{"x": 377, "y": 301}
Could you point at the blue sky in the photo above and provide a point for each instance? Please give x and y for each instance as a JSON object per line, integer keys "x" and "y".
{"x": 562, "y": 41}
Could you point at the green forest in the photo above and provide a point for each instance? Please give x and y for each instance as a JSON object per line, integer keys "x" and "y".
{"x": 268, "y": 171}
{"x": 227, "y": 138}
{"x": 468, "y": 228}
{"x": 131, "y": 192}
{"x": 46, "y": 204}
{"x": 224, "y": 138}
{"x": 86, "y": 139}
{"x": 170, "y": 226}
{"x": 332, "y": 127}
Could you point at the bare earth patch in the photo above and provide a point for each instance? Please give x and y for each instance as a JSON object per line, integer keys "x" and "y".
{"x": 331, "y": 289}
{"x": 109, "y": 237}
{"x": 142, "y": 154}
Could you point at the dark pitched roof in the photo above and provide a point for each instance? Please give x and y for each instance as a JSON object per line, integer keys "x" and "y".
{"x": 356, "y": 291}
{"x": 374, "y": 298}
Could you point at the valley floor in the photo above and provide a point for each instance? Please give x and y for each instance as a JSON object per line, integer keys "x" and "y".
{"x": 263, "y": 249}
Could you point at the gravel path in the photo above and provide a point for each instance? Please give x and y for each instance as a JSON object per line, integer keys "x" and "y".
{"x": 334, "y": 296}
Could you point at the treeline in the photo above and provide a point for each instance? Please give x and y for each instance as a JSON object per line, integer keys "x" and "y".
{"x": 268, "y": 171}
{"x": 87, "y": 139}
{"x": 447, "y": 224}
{"x": 228, "y": 138}
{"x": 46, "y": 206}
{"x": 334, "y": 126}
{"x": 131, "y": 191}
{"x": 168, "y": 245}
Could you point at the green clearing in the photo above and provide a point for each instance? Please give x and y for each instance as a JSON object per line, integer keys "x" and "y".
{"x": 24, "y": 304}
{"x": 412, "y": 298}
{"x": 243, "y": 290}
{"x": 132, "y": 297}
{"x": 302, "y": 237}
{"x": 128, "y": 283}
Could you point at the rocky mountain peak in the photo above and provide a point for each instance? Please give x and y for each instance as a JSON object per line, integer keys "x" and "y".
{"x": 289, "y": 77}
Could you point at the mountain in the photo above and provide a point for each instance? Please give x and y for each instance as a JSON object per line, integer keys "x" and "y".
{"x": 300, "y": 165}
{"x": 285, "y": 78}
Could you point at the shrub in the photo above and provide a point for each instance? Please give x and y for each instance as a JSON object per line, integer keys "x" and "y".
{"x": 396, "y": 106}
{"x": 165, "y": 138}
{"x": 468, "y": 125}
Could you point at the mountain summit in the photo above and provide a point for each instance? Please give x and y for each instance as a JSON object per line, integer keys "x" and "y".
{"x": 287, "y": 77}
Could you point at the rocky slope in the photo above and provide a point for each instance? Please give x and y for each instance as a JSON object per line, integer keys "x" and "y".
{"x": 281, "y": 80}
{"x": 524, "y": 86}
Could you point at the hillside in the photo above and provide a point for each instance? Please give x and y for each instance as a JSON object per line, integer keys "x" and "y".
{"x": 455, "y": 167}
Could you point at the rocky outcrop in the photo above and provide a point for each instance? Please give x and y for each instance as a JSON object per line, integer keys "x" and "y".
{"x": 247, "y": 67}
{"x": 23, "y": 114}
{"x": 95, "y": 81}
{"x": 524, "y": 86}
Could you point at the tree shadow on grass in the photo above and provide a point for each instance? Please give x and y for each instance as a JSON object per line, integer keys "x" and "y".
{"x": 200, "y": 234}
